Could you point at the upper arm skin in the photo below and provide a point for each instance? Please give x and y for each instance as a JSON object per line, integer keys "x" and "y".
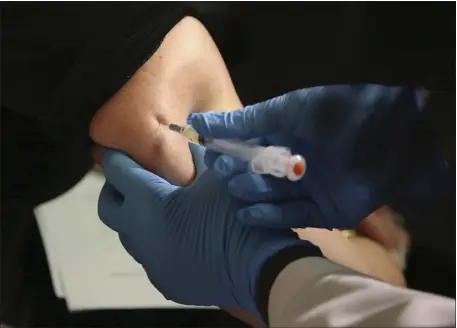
{"x": 186, "y": 74}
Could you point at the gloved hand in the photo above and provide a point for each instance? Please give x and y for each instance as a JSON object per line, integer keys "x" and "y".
{"x": 364, "y": 147}
{"x": 188, "y": 240}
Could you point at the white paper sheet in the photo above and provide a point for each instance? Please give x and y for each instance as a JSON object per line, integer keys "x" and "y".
{"x": 88, "y": 264}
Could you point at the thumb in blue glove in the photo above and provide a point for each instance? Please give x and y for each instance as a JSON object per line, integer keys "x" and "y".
{"x": 188, "y": 240}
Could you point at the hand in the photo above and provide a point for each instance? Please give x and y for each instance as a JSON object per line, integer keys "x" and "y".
{"x": 188, "y": 239}
{"x": 361, "y": 149}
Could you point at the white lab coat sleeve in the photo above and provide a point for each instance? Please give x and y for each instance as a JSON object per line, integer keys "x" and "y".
{"x": 315, "y": 292}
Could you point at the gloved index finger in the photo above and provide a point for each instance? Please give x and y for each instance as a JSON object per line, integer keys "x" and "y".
{"x": 250, "y": 122}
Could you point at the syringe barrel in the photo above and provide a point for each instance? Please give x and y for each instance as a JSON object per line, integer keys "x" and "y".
{"x": 235, "y": 148}
{"x": 274, "y": 160}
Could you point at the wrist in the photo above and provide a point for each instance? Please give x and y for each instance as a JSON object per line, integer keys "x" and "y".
{"x": 272, "y": 267}
{"x": 255, "y": 270}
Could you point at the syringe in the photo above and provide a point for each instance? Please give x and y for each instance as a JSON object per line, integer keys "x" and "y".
{"x": 274, "y": 160}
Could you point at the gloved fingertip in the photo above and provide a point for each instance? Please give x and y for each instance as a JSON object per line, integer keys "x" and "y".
{"x": 194, "y": 119}
{"x": 190, "y": 118}
{"x": 107, "y": 155}
{"x": 224, "y": 165}
{"x": 228, "y": 166}
{"x": 199, "y": 122}
{"x": 109, "y": 207}
{"x": 199, "y": 158}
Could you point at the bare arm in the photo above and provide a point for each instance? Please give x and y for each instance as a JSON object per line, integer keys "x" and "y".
{"x": 186, "y": 74}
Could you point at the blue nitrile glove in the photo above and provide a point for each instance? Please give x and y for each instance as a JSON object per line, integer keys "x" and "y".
{"x": 363, "y": 146}
{"x": 198, "y": 155}
{"x": 188, "y": 240}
